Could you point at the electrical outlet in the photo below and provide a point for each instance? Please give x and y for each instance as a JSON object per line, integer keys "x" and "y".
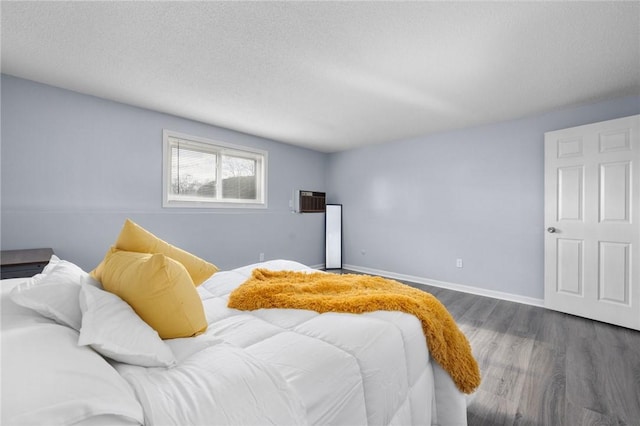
{"x": 261, "y": 257}
{"x": 458, "y": 263}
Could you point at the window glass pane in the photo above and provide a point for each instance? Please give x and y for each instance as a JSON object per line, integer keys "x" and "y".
{"x": 193, "y": 173}
{"x": 239, "y": 178}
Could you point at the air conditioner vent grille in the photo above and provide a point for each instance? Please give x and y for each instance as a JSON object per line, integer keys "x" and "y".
{"x": 312, "y": 202}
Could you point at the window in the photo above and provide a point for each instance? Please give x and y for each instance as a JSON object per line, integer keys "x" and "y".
{"x": 203, "y": 173}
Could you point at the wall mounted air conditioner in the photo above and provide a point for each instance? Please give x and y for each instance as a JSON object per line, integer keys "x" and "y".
{"x": 309, "y": 201}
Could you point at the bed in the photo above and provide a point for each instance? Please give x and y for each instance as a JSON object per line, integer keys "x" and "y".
{"x": 272, "y": 366}
{"x": 73, "y": 353}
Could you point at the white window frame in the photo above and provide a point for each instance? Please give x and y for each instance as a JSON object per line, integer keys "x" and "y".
{"x": 219, "y": 148}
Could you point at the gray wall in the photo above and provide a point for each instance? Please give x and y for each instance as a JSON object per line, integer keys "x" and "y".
{"x": 75, "y": 166}
{"x": 413, "y": 207}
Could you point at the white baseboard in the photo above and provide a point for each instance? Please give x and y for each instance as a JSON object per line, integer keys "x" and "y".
{"x": 451, "y": 286}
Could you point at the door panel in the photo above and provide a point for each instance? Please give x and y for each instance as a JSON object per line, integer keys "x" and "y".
{"x": 570, "y": 271}
{"x": 570, "y": 187}
{"x": 615, "y": 191}
{"x": 615, "y": 140}
{"x": 592, "y": 213}
{"x": 614, "y": 272}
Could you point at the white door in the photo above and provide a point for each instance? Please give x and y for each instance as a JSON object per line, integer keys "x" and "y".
{"x": 592, "y": 218}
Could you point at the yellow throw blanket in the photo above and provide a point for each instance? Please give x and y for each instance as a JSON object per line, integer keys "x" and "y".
{"x": 322, "y": 292}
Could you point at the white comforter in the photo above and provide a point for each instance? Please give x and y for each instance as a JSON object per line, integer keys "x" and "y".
{"x": 278, "y": 366}
{"x": 215, "y": 383}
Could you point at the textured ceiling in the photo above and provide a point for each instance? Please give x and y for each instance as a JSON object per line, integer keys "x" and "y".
{"x": 331, "y": 75}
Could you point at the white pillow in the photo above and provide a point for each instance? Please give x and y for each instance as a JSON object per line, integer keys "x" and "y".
{"x": 53, "y": 261}
{"x": 54, "y": 292}
{"x": 112, "y": 328}
{"x": 47, "y": 379}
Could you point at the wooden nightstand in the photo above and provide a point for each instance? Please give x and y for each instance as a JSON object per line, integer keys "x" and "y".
{"x": 23, "y": 263}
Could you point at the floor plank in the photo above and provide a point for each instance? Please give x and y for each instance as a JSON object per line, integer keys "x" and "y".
{"x": 543, "y": 395}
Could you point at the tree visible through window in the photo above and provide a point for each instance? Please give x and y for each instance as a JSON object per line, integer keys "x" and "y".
{"x": 201, "y": 173}
{"x": 238, "y": 178}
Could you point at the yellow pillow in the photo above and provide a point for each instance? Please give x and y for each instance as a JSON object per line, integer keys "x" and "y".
{"x": 159, "y": 289}
{"x": 133, "y": 237}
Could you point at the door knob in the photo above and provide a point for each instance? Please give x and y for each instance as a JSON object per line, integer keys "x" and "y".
{"x": 551, "y": 230}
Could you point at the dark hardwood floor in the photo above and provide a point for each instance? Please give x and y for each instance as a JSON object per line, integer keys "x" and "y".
{"x": 542, "y": 367}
